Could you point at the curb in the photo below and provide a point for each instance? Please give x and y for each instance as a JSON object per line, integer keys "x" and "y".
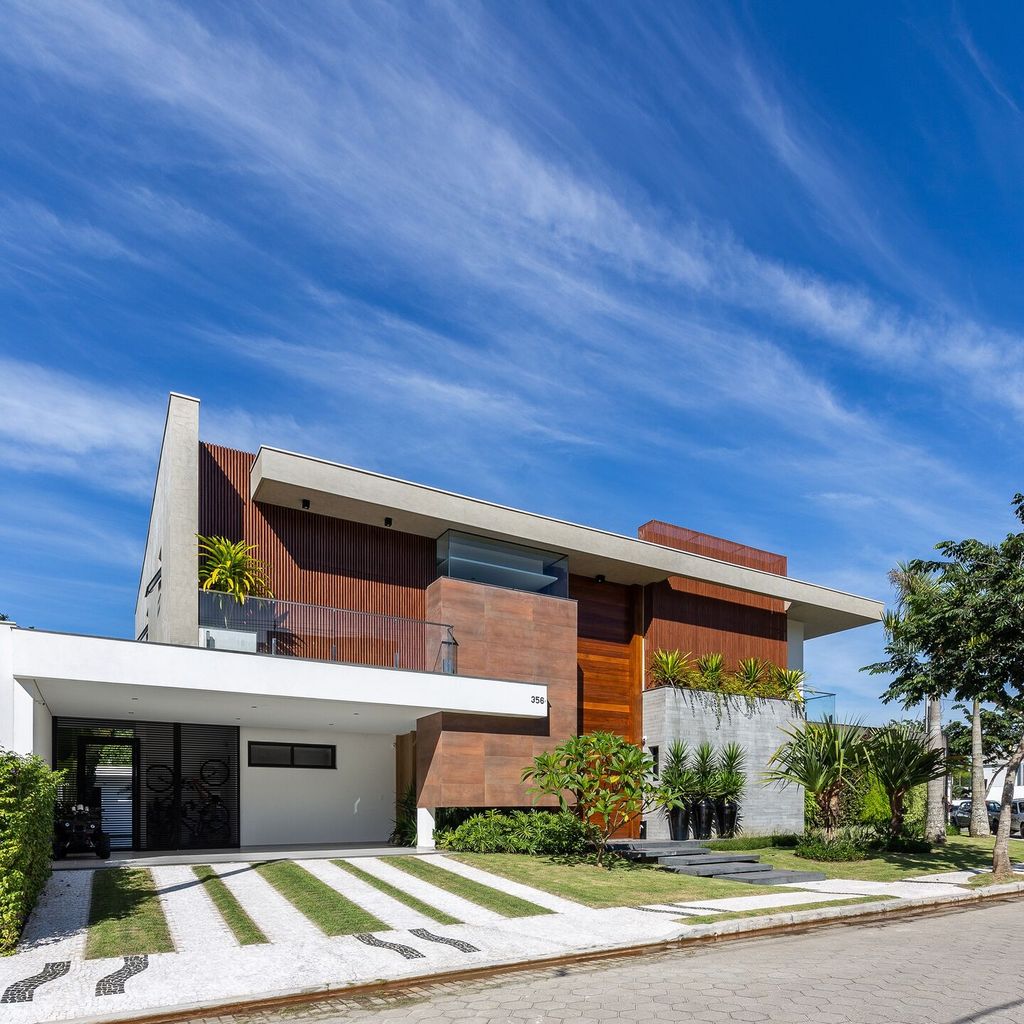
{"x": 797, "y": 921}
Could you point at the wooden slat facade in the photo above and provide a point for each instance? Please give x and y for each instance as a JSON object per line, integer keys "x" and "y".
{"x": 699, "y": 618}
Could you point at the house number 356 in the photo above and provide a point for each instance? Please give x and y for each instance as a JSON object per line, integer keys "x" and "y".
{"x": 537, "y": 700}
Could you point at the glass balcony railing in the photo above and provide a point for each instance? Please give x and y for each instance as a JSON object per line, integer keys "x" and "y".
{"x": 819, "y": 705}
{"x": 292, "y": 629}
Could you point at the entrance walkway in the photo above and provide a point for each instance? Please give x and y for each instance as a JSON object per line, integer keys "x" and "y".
{"x": 241, "y": 855}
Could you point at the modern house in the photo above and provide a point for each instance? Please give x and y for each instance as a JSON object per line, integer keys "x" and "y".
{"x": 415, "y": 638}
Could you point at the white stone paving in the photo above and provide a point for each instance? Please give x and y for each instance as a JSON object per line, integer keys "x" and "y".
{"x": 194, "y": 922}
{"x": 903, "y": 890}
{"x": 525, "y": 892}
{"x": 463, "y": 909}
{"x": 764, "y": 901}
{"x": 273, "y": 914}
{"x": 56, "y": 928}
{"x": 385, "y": 908}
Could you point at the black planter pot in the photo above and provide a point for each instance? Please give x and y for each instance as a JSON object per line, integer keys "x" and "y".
{"x": 726, "y": 812}
{"x": 705, "y": 810}
{"x": 679, "y": 822}
{"x": 720, "y": 817}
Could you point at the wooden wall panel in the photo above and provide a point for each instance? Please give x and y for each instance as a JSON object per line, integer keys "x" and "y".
{"x": 326, "y": 562}
{"x": 699, "y": 618}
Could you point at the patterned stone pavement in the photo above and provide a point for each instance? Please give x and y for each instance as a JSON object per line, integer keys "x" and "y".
{"x": 952, "y": 968}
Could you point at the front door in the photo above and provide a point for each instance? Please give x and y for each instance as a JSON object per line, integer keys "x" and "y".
{"x": 108, "y": 778}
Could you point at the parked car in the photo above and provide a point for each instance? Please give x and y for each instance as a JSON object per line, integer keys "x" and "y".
{"x": 960, "y": 815}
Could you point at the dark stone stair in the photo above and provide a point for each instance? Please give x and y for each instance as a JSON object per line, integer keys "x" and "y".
{"x": 695, "y": 857}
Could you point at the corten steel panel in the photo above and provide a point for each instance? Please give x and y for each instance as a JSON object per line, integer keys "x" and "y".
{"x": 502, "y": 634}
{"x": 699, "y": 618}
{"x": 321, "y": 561}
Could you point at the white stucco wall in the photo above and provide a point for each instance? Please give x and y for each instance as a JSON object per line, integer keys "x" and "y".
{"x": 352, "y": 803}
{"x": 795, "y": 644}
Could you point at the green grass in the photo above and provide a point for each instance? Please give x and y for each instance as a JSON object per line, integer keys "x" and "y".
{"x": 483, "y": 895}
{"x": 623, "y": 884}
{"x": 960, "y": 853}
{"x": 764, "y": 912}
{"x": 324, "y": 906}
{"x": 125, "y": 916}
{"x": 397, "y": 894}
{"x": 987, "y": 878}
{"x": 244, "y": 928}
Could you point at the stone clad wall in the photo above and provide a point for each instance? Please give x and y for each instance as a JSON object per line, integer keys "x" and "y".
{"x": 671, "y": 714}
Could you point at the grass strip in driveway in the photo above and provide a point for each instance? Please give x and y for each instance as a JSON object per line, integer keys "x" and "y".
{"x": 331, "y": 912}
{"x": 482, "y": 895}
{"x": 733, "y": 915}
{"x": 397, "y": 894}
{"x": 244, "y": 928}
{"x": 125, "y": 915}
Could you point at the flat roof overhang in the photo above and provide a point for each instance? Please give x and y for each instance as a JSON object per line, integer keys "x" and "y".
{"x": 284, "y": 478}
{"x": 100, "y": 677}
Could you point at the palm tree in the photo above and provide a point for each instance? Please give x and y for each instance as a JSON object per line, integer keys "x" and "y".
{"x": 826, "y": 759}
{"x": 705, "y": 784}
{"x": 901, "y": 760}
{"x": 732, "y": 777}
{"x": 230, "y": 567}
{"x": 676, "y": 788}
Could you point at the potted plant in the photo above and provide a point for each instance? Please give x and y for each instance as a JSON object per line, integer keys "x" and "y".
{"x": 675, "y": 790}
{"x": 705, "y": 781}
{"x": 732, "y": 777}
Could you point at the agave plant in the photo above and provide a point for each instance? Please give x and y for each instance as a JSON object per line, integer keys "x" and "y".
{"x": 790, "y": 682}
{"x": 230, "y": 567}
{"x": 710, "y": 670}
{"x": 670, "y": 668}
{"x": 751, "y": 675}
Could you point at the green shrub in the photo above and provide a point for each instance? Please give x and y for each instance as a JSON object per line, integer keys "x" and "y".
{"x": 841, "y": 847}
{"x": 780, "y": 840}
{"x": 534, "y": 832}
{"x": 405, "y": 831}
{"x": 28, "y": 793}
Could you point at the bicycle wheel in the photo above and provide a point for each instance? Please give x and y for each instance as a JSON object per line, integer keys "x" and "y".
{"x": 159, "y": 778}
{"x": 214, "y": 771}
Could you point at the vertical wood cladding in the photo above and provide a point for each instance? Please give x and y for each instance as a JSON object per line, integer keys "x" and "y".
{"x": 700, "y": 617}
{"x": 317, "y": 559}
{"x": 608, "y": 677}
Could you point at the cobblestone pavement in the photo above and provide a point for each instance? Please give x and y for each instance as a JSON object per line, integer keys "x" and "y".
{"x": 937, "y": 969}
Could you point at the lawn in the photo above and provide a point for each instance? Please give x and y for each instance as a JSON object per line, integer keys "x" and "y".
{"x": 243, "y": 927}
{"x": 397, "y": 894}
{"x": 959, "y": 854}
{"x": 624, "y": 885}
{"x": 324, "y": 906}
{"x": 482, "y": 895}
{"x": 125, "y": 915}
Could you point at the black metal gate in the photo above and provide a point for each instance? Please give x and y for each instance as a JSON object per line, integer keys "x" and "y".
{"x": 183, "y": 781}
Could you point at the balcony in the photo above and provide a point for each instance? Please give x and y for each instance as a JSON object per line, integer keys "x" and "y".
{"x": 293, "y": 629}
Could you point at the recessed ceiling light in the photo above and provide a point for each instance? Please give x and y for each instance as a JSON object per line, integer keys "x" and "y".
{"x": 135, "y": 698}
{"x": 355, "y": 712}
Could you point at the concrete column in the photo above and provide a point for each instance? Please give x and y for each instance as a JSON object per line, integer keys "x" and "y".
{"x": 425, "y": 827}
{"x": 795, "y": 644}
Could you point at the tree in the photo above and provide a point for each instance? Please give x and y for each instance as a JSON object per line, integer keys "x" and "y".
{"x": 901, "y": 759}
{"x": 961, "y": 633}
{"x": 230, "y": 567}
{"x": 610, "y": 782}
{"x": 826, "y": 759}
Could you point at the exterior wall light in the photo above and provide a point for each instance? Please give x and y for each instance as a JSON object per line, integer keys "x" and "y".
{"x": 305, "y": 504}
{"x": 599, "y": 578}
{"x": 387, "y": 520}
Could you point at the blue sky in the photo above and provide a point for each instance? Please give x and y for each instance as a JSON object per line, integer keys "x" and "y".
{"x": 754, "y": 269}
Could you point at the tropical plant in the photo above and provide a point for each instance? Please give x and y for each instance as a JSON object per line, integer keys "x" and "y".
{"x": 405, "y": 831}
{"x": 670, "y": 668}
{"x": 751, "y": 674}
{"x": 530, "y": 832}
{"x": 230, "y": 567}
{"x": 677, "y": 787}
{"x": 790, "y": 682}
{"x": 705, "y": 783}
{"x": 605, "y": 779}
{"x": 900, "y": 759}
{"x": 732, "y": 777}
{"x": 710, "y": 670}
{"x": 826, "y": 759}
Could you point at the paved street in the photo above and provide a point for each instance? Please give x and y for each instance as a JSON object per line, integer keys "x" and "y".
{"x": 936, "y": 969}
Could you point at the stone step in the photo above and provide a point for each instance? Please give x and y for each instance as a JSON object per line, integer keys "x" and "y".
{"x": 706, "y": 857}
{"x": 714, "y": 870}
{"x": 777, "y": 877}
{"x": 648, "y": 846}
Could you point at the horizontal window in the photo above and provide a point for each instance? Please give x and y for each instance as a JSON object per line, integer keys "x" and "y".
{"x": 464, "y": 556}
{"x": 291, "y": 755}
